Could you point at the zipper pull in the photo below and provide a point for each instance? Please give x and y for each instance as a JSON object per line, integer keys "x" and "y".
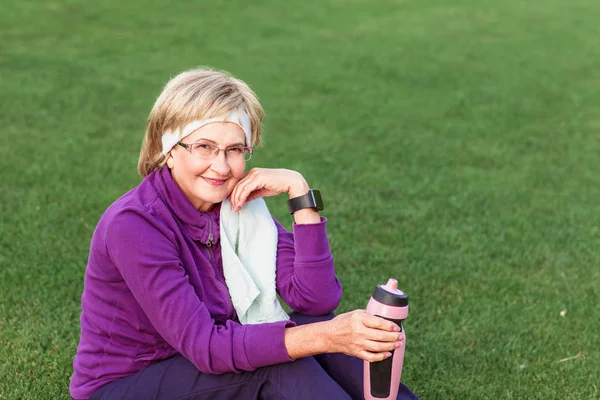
{"x": 209, "y": 242}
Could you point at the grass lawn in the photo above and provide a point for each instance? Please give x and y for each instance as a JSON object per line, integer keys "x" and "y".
{"x": 455, "y": 143}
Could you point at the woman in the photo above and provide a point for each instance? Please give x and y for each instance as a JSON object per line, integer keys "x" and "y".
{"x": 165, "y": 312}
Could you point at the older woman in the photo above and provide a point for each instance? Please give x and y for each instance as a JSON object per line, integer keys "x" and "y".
{"x": 180, "y": 294}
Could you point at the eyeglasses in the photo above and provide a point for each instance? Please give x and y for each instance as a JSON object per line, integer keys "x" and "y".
{"x": 206, "y": 151}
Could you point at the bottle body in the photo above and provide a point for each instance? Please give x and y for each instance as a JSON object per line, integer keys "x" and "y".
{"x": 382, "y": 378}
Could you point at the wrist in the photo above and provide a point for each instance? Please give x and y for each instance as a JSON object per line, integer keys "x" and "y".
{"x": 307, "y": 216}
{"x": 307, "y": 340}
{"x": 299, "y": 187}
{"x": 298, "y": 190}
{"x": 323, "y": 338}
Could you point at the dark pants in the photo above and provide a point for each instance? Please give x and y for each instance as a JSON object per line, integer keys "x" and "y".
{"x": 325, "y": 376}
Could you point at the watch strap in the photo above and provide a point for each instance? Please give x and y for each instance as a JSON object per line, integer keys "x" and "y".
{"x": 312, "y": 199}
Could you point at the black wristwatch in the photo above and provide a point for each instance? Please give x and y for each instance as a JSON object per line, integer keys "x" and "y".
{"x": 312, "y": 199}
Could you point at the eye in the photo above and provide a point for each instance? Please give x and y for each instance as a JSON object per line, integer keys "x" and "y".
{"x": 235, "y": 150}
{"x": 204, "y": 148}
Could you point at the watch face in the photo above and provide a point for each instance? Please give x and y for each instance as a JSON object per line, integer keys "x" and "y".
{"x": 318, "y": 199}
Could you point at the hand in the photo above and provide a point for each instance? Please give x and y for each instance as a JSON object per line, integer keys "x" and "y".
{"x": 264, "y": 182}
{"x": 363, "y": 335}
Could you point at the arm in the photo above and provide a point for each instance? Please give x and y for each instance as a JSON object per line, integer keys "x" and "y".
{"x": 147, "y": 257}
{"x": 356, "y": 333}
{"x": 312, "y": 284}
{"x": 306, "y": 278}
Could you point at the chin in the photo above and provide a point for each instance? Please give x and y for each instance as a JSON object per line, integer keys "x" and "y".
{"x": 213, "y": 197}
{"x": 211, "y": 194}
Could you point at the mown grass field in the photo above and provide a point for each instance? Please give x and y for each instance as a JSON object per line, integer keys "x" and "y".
{"x": 456, "y": 145}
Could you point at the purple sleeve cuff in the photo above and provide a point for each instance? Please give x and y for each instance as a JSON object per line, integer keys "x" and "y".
{"x": 264, "y": 343}
{"x": 311, "y": 243}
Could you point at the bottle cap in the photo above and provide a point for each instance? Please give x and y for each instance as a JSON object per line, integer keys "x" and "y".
{"x": 390, "y": 295}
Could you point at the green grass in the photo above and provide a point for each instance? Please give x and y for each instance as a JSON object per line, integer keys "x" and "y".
{"x": 455, "y": 143}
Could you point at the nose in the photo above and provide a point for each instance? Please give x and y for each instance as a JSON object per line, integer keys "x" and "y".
{"x": 220, "y": 164}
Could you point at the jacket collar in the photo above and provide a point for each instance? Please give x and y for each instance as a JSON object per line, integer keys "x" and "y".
{"x": 197, "y": 224}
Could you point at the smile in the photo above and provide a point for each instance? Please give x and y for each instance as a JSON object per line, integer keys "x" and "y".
{"x": 215, "y": 182}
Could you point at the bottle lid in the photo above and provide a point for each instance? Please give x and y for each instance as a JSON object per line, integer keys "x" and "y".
{"x": 390, "y": 295}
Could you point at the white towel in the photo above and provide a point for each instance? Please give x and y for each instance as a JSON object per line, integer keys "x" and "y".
{"x": 249, "y": 250}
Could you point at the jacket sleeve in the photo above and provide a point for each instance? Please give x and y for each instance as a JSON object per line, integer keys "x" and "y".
{"x": 147, "y": 257}
{"x": 306, "y": 278}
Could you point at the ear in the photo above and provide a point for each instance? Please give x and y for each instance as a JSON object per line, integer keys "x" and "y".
{"x": 170, "y": 161}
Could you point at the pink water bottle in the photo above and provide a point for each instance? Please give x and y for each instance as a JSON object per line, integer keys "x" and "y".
{"x": 382, "y": 378}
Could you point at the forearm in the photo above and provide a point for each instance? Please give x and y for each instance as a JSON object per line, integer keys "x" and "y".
{"x": 306, "y": 340}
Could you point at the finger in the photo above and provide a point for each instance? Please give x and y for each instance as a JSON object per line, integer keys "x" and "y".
{"x": 379, "y": 347}
{"x": 233, "y": 195}
{"x": 379, "y": 335}
{"x": 236, "y": 195}
{"x": 373, "y": 357}
{"x": 373, "y": 321}
{"x": 246, "y": 189}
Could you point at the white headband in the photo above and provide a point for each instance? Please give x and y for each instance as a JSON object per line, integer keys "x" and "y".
{"x": 238, "y": 117}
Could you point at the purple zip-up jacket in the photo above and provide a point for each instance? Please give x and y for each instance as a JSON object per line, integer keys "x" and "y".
{"x": 154, "y": 287}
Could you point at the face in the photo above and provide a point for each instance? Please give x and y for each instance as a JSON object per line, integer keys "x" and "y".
{"x": 210, "y": 181}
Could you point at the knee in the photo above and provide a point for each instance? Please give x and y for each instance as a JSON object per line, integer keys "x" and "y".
{"x": 301, "y": 319}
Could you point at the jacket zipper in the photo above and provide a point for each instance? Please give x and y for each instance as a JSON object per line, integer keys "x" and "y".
{"x": 209, "y": 244}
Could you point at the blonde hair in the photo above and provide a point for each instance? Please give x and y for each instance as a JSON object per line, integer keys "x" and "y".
{"x": 195, "y": 95}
